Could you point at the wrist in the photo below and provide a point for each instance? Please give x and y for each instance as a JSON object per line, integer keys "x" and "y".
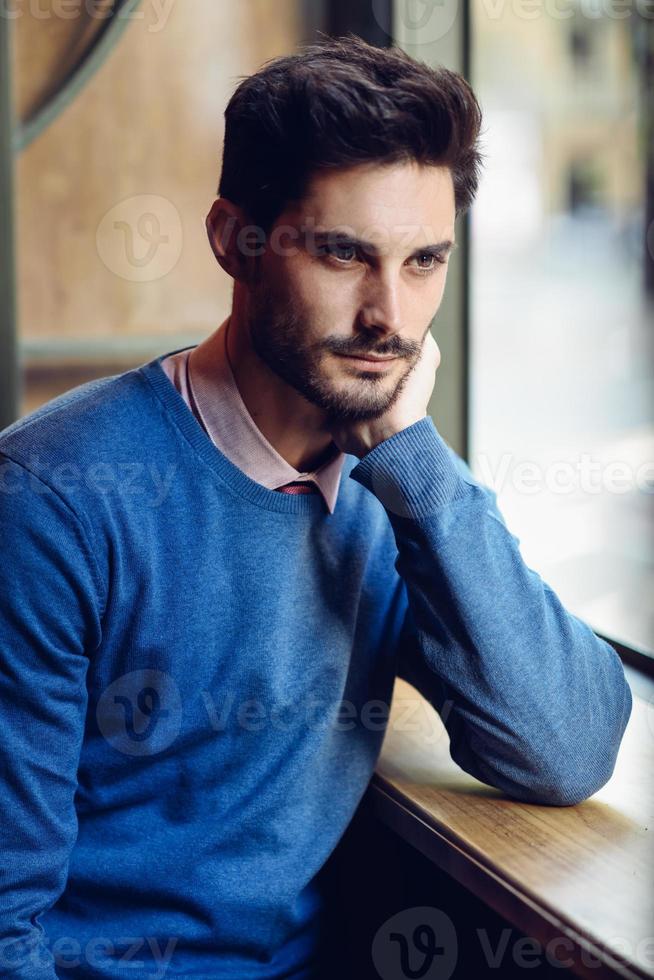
{"x": 386, "y": 428}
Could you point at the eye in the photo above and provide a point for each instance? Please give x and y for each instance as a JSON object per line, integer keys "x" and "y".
{"x": 432, "y": 259}
{"x": 342, "y": 253}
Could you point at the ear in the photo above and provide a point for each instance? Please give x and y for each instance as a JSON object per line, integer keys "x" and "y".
{"x": 224, "y": 224}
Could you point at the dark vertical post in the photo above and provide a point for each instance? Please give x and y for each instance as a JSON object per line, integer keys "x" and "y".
{"x": 648, "y": 130}
{"x": 466, "y": 270}
{"x": 314, "y": 18}
{"x": 370, "y": 19}
{"x": 441, "y": 37}
{"x": 9, "y": 380}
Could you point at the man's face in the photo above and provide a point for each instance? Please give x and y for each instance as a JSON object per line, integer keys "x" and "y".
{"x": 318, "y": 297}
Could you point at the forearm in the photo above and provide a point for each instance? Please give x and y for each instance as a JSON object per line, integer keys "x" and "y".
{"x": 537, "y": 703}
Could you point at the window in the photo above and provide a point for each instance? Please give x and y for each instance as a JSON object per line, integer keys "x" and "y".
{"x": 121, "y": 270}
{"x": 562, "y": 300}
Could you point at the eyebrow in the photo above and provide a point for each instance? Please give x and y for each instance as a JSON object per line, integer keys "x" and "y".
{"x": 336, "y": 237}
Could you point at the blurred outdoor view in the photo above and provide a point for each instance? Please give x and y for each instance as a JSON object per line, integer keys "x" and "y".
{"x": 562, "y": 301}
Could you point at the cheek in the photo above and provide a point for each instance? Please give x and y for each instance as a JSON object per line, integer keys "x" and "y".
{"x": 421, "y": 300}
{"x": 328, "y": 305}
{"x": 334, "y": 303}
{"x": 426, "y": 301}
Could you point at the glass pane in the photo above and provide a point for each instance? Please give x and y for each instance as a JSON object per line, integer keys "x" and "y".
{"x": 562, "y": 296}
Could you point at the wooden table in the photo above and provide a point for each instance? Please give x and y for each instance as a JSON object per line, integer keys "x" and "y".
{"x": 578, "y": 879}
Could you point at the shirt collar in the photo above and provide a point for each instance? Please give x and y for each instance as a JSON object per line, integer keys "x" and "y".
{"x": 230, "y": 426}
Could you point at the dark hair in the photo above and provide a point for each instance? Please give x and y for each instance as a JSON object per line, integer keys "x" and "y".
{"x": 338, "y": 103}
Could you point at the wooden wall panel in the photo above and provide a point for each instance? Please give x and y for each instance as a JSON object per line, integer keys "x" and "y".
{"x": 149, "y": 124}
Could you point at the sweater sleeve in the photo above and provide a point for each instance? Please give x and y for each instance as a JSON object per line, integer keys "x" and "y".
{"x": 49, "y": 621}
{"x": 534, "y": 702}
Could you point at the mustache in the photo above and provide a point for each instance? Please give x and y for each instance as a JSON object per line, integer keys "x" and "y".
{"x": 394, "y": 350}
{"x": 287, "y": 324}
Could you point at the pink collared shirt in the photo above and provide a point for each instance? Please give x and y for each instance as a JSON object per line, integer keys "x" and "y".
{"x": 204, "y": 378}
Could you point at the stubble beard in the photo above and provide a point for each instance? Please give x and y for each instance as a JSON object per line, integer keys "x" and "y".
{"x": 278, "y": 336}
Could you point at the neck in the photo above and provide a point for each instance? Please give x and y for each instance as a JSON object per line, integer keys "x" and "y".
{"x": 291, "y": 424}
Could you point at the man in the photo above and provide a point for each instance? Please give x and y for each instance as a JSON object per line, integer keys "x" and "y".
{"x": 216, "y": 564}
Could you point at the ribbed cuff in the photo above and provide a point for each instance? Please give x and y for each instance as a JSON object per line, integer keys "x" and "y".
{"x": 412, "y": 473}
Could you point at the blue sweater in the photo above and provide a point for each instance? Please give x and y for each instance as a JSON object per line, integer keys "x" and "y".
{"x": 195, "y": 674}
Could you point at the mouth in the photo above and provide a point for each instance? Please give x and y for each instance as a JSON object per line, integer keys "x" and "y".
{"x": 368, "y": 361}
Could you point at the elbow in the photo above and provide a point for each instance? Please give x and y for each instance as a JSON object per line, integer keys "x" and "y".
{"x": 573, "y": 773}
{"x": 564, "y": 767}
{"x": 564, "y": 789}
{"x": 540, "y": 783}
{"x": 588, "y": 773}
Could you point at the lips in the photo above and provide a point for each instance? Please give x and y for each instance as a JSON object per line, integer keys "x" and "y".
{"x": 368, "y": 357}
{"x": 376, "y": 365}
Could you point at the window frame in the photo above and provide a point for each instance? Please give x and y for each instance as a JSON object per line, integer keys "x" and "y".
{"x": 9, "y": 365}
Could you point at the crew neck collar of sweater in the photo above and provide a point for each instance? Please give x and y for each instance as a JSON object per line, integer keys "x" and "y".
{"x": 231, "y": 475}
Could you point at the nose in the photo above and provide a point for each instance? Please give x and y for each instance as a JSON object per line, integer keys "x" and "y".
{"x": 381, "y": 306}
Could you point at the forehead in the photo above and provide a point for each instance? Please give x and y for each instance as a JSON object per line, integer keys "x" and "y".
{"x": 391, "y": 196}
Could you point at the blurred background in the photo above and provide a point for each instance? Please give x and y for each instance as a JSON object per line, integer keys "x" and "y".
{"x": 562, "y": 300}
{"x": 112, "y": 123}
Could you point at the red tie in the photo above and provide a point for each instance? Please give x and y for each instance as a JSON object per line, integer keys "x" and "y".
{"x": 298, "y": 487}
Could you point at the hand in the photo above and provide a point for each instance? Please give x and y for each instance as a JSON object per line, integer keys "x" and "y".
{"x": 358, "y": 438}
